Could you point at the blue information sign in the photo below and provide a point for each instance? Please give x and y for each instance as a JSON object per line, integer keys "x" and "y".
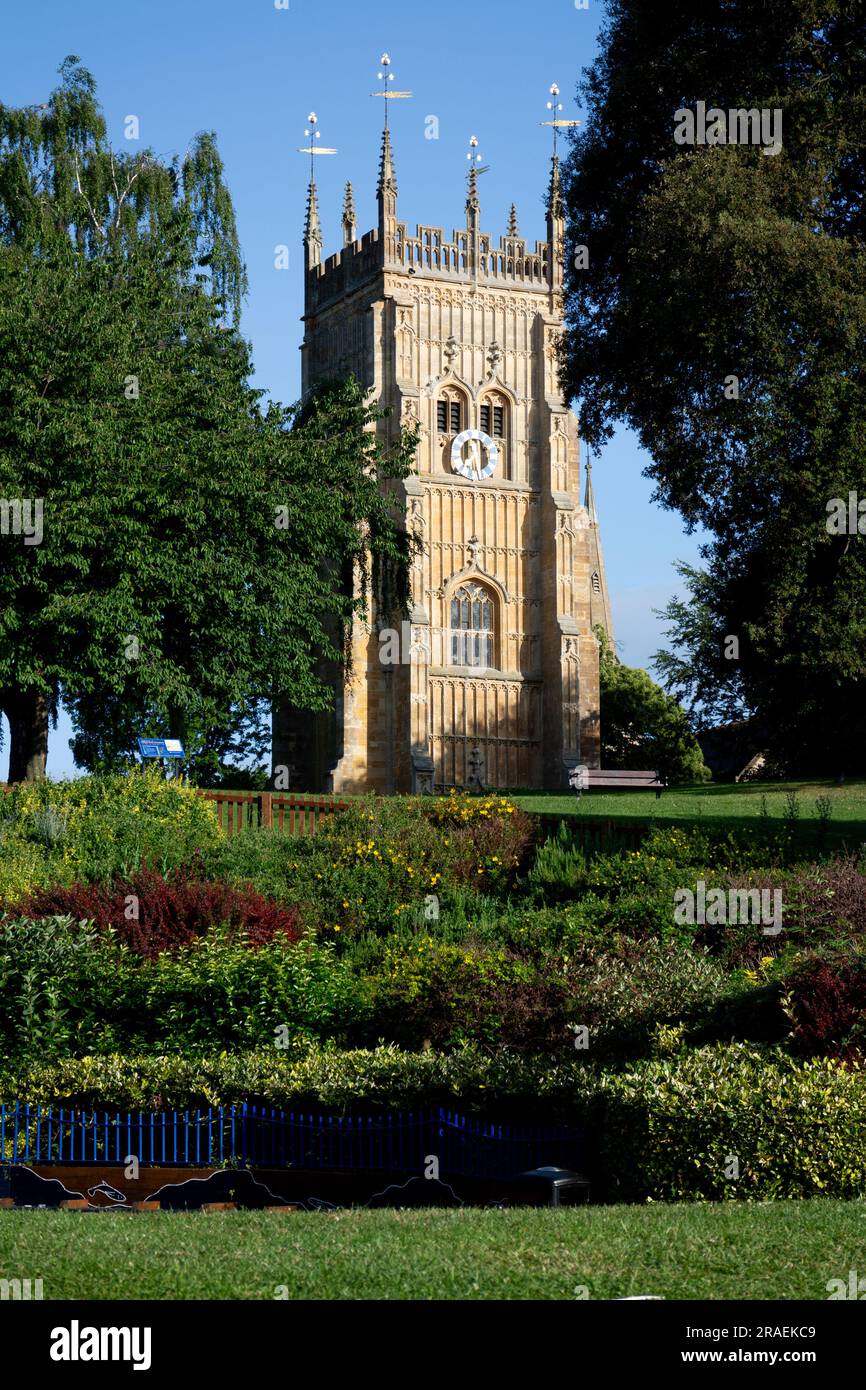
{"x": 160, "y": 748}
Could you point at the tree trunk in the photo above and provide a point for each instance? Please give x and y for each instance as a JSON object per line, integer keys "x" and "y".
{"x": 27, "y": 712}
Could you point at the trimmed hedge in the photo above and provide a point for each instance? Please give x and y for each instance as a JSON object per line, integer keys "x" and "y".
{"x": 734, "y": 1122}
{"x": 667, "y": 1129}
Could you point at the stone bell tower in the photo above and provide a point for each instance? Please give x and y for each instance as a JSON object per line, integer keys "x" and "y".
{"x": 492, "y": 677}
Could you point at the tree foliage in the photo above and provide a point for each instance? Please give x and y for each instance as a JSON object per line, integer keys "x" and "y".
{"x": 642, "y": 727}
{"x": 709, "y": 263}
{"x": 701, "y": 674}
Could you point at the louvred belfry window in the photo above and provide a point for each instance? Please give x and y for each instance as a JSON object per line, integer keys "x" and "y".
{"x": 449, "y": 414}
{"x": 493, "y": 420}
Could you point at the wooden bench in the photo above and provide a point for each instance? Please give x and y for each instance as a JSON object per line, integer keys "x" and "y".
{"x": 597, "y": 779}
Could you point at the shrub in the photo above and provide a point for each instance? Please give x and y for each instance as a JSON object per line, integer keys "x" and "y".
{"x": 372, "y": 865}
{"x": 63, "y": 989}
{"x": 670, "y": 1128}
{"x": 629, "y": 891}
{"x": 824, "y": 906}
{"x": 276, "y": 864}
{"x": 825, "y": 1002}
{"x": 559, "y": 868}
{"x": 625, "y": 993}
{"x": 91, "y": 828}
{"x": 216, "y": 995}
{"x": 423, "y": 990}
{"x": 431, "y": 992}
{"x": 828, "y": 900}
{"x": 150, "y": 913}
{"x": 44, "y": 970}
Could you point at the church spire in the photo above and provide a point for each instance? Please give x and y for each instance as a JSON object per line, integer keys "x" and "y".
{"x": 312, "y": 229}
{"x": 555, "y": 226}
{"x": 312, "y": 225}
{"x": 554, "y": 193}
{"x": 599, "y": 599}
{"x": 386, "y": 191}
{"x": 349, "y": 216}
{"x": 387, "y": 175}
{"x": 386, "y": 196}
{"x": 513, "y": 229}
{"x": 589, "y": 494}
{"x": 555, "y": 217}
{"x": 473, "y": 206}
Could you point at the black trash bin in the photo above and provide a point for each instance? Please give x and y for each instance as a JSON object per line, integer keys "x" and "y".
{"x": 551, "y": 1187}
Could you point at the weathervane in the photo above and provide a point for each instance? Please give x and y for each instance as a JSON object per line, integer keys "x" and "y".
{"x": 475, "y": 158}
{"x": 557, "y": 121}
{"x": 385, "y": 91}
{"x": 313, "y": 149}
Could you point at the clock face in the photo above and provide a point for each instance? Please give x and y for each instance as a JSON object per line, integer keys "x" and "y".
{"x": 475, "y": 465}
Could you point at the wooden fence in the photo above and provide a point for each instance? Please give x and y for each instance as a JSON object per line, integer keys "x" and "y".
{"x": 297, "y": 815}
{"x": 258, "y": 1136}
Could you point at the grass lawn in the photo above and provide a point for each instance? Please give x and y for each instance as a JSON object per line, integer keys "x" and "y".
{"x": 732, "y": 804}
{"x": 778, "y": 1250}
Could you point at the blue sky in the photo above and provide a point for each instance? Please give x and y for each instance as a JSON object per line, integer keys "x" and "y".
{"x": 252, "y": 72}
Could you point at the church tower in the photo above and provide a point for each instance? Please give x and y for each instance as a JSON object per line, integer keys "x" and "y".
{"x": 493, "y": 676}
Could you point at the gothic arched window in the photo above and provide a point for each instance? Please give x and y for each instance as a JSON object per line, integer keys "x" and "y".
{"x": 473, "y": 631}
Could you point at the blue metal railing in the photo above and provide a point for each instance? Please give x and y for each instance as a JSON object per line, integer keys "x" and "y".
{"x": 259, "y": 1136}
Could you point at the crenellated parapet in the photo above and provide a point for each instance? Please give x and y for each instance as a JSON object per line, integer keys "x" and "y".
{"x": 429, "y": 250}
{"x": 430, "y": 253}
{"x": 343, "y": 272}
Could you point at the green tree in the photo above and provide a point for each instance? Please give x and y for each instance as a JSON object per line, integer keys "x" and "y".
{"x": 723, "y": 317}
{"x": 185, "y": 573}
{"x": 702, "y": 673}
{"x": 641, "y": 726}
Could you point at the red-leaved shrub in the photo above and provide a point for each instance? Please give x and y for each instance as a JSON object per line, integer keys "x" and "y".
{"x": 829, "y": 900}
{"x": 152, "y": 914}
{"x": 826, "y": 1003}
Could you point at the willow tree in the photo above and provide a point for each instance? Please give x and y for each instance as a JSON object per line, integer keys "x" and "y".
{"x": 165, "y": 539}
